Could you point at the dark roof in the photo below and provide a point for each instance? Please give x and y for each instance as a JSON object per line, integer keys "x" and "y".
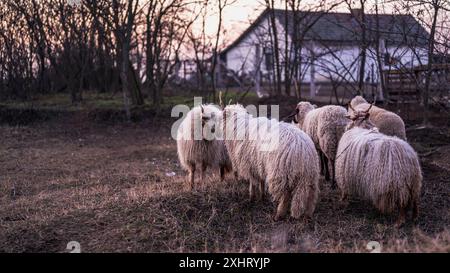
{"x": 345, "y": 28}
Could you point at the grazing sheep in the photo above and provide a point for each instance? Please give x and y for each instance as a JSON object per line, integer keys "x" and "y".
{"x": 379, "y": 168}
{"x": 279, "y": 154}
{"x": 325, "y": 126}
{"x": 196, "y": 151}
{"x": 387, "y": 122}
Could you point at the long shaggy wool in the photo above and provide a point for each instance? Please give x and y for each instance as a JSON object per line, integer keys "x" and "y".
{"x": 387, "y": 122}
{"x": 325, "y": 125}
{"x": 382, "y": 169}
{"x": 278, "y": 154}
{"x": 194, "y": 151}
{"x": 330, "y": 128}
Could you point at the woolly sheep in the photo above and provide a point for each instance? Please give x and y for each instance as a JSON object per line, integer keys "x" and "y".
{"x": 281, "y": 156}
{"x": 379, "y": 168}
{"x": 194, "y": 150}
{"x": 387, "y": 122}
{"x": 325, "y": 126}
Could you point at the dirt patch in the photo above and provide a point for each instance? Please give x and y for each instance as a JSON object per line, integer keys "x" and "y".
{"x": 110, "y": 188}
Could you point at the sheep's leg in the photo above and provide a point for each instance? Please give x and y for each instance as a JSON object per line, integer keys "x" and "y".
{"x": 401, "y": 217}
{"x": 321, "y": 162}
{"x": 415, "y": 209}
{"x": 261, "y": 190}
{"x": 343, "y": 196}
{"x": 202, "y": 173}
{"x": 222, "y": 173}
{"x": 333, "y": 174}
{"x": 251, "y": 191}
{"x": 326, "y": 170}
{"x": 343, "y": 200}
{"x": 310, "y": 205}
{"x": 283, "y": 206}
{"x": 191, "y": 177}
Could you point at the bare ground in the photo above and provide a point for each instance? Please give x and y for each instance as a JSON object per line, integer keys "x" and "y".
{"x": 110, "y": 188}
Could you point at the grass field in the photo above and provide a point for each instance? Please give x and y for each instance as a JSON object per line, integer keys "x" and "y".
{"x": 118, "y": 187}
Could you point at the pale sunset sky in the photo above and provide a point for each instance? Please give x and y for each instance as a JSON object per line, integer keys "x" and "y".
{"x": 236, "y": 17}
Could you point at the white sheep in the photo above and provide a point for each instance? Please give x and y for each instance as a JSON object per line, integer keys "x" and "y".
{"x": 197, "y": 150}
{"x": 386, "y": 121}
{"x": 325, "y": 126}
{"x": 379, "y": 168}
{"x": 279, "y": 154}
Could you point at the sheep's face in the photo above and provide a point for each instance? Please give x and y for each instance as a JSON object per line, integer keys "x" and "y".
{"x": 302, "y": 109}
{"x": 359, "y": 118}
{"x": 209, "y": 120}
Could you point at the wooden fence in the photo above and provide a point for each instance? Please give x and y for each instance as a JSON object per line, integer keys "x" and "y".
{"x": 405, "y": 85}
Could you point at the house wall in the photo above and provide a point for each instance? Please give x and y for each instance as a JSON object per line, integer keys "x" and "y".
{"x": 337, "y": 65}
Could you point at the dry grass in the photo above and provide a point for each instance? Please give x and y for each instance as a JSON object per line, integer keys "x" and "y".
{"x": 107, "y": 188}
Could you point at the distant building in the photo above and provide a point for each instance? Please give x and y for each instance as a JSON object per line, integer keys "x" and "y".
{"x": 330, "y": 48}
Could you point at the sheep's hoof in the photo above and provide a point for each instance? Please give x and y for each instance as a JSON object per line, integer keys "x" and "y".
{"x": 277, "y": 218}
{"x": 307, "y": 219}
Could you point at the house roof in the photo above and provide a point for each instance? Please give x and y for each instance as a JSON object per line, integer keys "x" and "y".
{"x": 337, "y": 27}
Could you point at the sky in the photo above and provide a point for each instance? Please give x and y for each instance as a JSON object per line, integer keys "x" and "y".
{"x": 236, "y": 17}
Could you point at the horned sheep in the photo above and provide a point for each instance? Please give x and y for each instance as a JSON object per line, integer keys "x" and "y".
{"x": 325, "y": 126}
{"x": 279, "y": 154}
{"x": 386, "y": 121}
{"x": 379, "y": 168}
{"x": 197, "y": 152}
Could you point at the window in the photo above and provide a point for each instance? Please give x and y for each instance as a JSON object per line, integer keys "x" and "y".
{"x": 268, "y": 58}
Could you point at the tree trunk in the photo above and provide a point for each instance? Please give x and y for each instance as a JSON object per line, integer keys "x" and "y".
{"x": 276, "y": 52}
{"x": 363, "y": 50}
{"x": 425, "y": 93}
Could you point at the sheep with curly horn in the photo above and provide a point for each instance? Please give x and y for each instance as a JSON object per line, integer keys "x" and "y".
{"x": 195, "y": 151}
{"x": 386, "y": 121}
{"x": 384, "y": 170}
{"x": 325, "y": 126}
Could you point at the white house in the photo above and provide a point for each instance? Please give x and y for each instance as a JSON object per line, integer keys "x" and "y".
{"x": 330, "y": 46}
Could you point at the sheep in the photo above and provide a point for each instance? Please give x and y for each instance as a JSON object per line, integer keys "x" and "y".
{"x": 196, "y": 151}
{"x": 282, "y": 156}
{"x": 379, "y": 168}
{"x": 387, "y": 122}
{"x": 325, "y": 126}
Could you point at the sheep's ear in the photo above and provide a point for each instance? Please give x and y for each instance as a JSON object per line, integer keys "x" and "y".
{"x": 229, "y": 102}
{"x": 314, "y": 106}
{"x": 203, "y": 110}
{"x": 348, "y": 116}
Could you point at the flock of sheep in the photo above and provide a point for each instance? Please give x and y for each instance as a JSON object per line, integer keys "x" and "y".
{"x": 362, "y": 151}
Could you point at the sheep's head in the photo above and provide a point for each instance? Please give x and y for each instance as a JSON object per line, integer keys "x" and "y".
{"x": 302, "y": 109}
{"x": 209, "y": 120}
{"x": 357, "y": 101}
{"x": 359, "y": 118}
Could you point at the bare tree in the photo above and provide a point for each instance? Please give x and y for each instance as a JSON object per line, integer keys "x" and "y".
{"x": 273, "y": 30}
